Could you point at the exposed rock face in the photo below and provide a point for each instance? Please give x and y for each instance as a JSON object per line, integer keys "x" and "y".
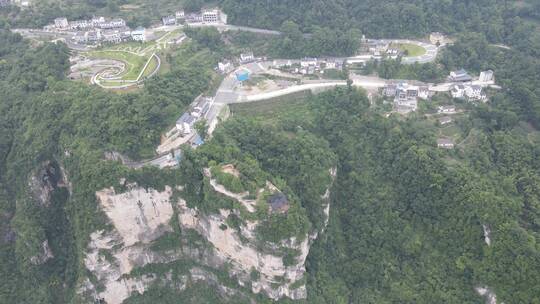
{"x": 45, "y": 254}
{"x": 43, "y": 182}
{"x": 138, "y": 215}
{"x": 244, "y": 257}
{"x": 141, "y": 216}
{"x": 490, "y": 296}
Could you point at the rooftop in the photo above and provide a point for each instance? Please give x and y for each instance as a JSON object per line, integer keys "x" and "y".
{"x": 278, "y": 202}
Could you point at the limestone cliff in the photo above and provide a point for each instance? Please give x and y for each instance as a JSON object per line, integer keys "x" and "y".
{"x": 119, "y": 258}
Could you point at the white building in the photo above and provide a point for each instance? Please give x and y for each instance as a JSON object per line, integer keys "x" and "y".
{"x": 306, "y": 62}
{"x": 114, "y": 23}
{"x": 406, "y": 98}
{"x": 179, "y": 15}
{"x": 471, "y": 92}
{"x": 214, "y": 16}
{"x": 245, "y": 57}
{"x": 474, "y": 92}
{"x": 79, "y": 24}
{"x": 112, "y": 36}
{"x": 437, "y": 38}
{"x": 445, "y": 120}
{"x": 458, "y": 91}
{"x": 211, "y": 16}
{"x": 486, "y": 76}
{"x": 445, "y": 143}
{"x": 61, "y": 23}
{"x": 447, "y": 110}
{"x": 139, "y": 34}
{"x": 169, "y": 20}
{"x": 225, "y": 67}
{"x": 97, "y": 21}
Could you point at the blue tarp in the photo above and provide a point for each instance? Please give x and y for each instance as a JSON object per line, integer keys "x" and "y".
{"x": 197, "y": 141}
{"x": 242, "y": 76}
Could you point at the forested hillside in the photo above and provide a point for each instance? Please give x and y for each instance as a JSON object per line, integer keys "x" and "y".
{"x": 408, "y": 221}
{"x": 45, "y": 118}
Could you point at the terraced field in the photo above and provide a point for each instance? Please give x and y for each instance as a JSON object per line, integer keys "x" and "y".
{"x": 136, "y": 61}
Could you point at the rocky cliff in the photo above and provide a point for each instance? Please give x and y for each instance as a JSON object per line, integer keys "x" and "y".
{"x": 121, "y": 259}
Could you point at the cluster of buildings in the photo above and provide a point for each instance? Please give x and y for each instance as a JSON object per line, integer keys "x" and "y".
{"x": 464, "y": 88}
{"x": 97, "y": 30}
{"x": 21, "y": 3}
{"x": 207, "y": 16}
{"x": 309, "y": 66}
{"x": 405, "y": 95}
{"x": 63, "y": 24}
{"x": 380, "y": 49}
{"x": 201, "y": 105}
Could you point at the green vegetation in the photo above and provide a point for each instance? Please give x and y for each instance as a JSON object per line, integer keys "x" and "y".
{"x": 134, "y": 63}
{"x": 406, "y": 219}
{"x": 410, "y": 50}
{"x": 46, "y": 118}
{"x": 229, "y": 181}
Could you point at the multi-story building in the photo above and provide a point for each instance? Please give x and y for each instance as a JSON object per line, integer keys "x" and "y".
{"x": 486, "y": 76}
{"x": 61, "y": 23}
{"x": 79, "y": 25}
{"x": 211, "y": 16}
{"x": 169, "y": 20}
{"x": 139, "y": 34}
{"x": 460, "y": 76}
{"x": 246, "y": 57}
{"x": 180, "y": 15}
{"x": 114, "y": 23}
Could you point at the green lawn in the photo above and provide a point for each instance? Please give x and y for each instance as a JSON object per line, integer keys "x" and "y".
{"x": 293, "y": 107}
{"x": 151, "y": 67}
{"x": 134, "y": 63}
{"x": 410, "y": 50}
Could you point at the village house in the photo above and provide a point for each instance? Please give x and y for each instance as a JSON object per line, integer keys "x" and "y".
{"x": 193, "y": 18}
{"x": 474, "y": 92}
{"x": 79, "y": 25}
{"x": 405, "y": 95}
{"x": 114, "y": 23}
{"x": 486, "y": 76}
{"x": 460, "y": 76}
{"x": 306, "y": 62}
{"x": 445, "y": 143}
{"x": 211, "y": 16}
{"x": 437, "y": 38}
{"x": 405, "y": 99}
{"x": 180, "y": 15}
{"x": 247, "y": 57}
{"x": 185, "y": 123}
{"x": 112, "y": 36}
{"x": 333, "y": 64}
{"x": 202, "y": 104}
{"x": 470, "y": 92}
{"x": 278, "y": 203}
{"x": 139, "y": 34}
{"x": 445, "y": 120}
{"x": 61, "y": 23}
{"x": 225, "y": 67}
{"x": 446, "y": 110}
{"x": 168, "y": 20}
{"x": 457, "y": 91}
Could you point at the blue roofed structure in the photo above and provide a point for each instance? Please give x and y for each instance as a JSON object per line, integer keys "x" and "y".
{"x": 197, "y": 141}
{"x": 242, "y": 75}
